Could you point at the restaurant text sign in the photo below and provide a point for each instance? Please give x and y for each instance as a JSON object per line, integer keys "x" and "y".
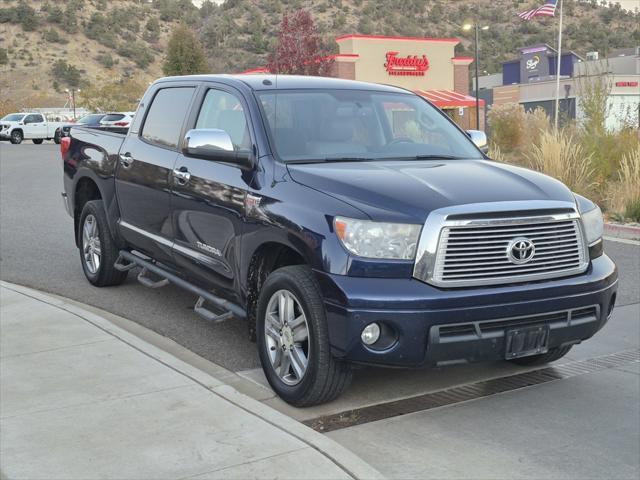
{"x": 411, "y": 65}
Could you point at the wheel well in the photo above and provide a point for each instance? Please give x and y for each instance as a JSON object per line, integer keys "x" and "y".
{"x": 86, "y": 190}
{"x": 266, "y": 259}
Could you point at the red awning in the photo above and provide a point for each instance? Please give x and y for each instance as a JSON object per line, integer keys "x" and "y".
{"x": 448, "y": 98}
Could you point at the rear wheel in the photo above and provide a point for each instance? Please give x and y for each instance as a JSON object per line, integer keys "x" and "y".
{"x": 293, "y": 341}
{"x": 98, "y": 252}
{"x": 37, "y": 141}
{"x": 551, "y": 356}
{"x": 16, "y": 137}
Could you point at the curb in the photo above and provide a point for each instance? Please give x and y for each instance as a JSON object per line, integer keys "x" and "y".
{"x": 339, "y": 455}
{"x": 626, "y": 232}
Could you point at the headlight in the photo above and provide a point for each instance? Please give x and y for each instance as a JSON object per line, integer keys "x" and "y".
{"x": 593, "y": 225}
{"x": 368, "y": 239}
{"x": 592, "y": 221}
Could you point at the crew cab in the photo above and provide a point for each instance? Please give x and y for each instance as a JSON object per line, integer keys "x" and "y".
{"x": 348, "y": 223}
{"x": 33, "y": 126}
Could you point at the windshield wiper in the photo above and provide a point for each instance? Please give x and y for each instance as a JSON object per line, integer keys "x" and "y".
{"x": 437, "y": 157}
{"x": 331, "y": 159}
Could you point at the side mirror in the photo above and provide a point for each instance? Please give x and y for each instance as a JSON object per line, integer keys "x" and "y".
{"x": 215, "y": 144}
{"x": 480, "y": 139}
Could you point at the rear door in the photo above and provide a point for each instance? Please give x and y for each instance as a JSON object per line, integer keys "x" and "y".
{"x": 147, "y": 158}
{"x": 208, "y": 209}
{"x": 35, "y": 126}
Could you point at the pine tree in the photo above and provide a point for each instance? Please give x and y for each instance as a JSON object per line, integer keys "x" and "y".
{"x": 185, "y": 55}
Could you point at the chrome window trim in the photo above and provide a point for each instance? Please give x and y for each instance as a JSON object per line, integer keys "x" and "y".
{"x": 427, "y": 251}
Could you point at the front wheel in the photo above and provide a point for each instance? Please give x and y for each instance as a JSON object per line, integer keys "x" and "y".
{"x": 37, "y": 141}
{"x": 56, "y": 137}
{"x": 16, "y": 137}
{"x": 98, "y": 252}
{"x": 551, "y": 356}
{"x": 293, "y": 340}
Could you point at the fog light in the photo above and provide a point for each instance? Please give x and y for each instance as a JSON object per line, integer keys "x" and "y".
{"x": 370, "y": 334}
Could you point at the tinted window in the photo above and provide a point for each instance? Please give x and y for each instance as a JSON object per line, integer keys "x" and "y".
{"x": 166, "y": 113}
{"x": 114, "y": 117}
{"x": 91, "y": 119}
{"x": 223, "y": 111}
{"x": 33, "y": 119}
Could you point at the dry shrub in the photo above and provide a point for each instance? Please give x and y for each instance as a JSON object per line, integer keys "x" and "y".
{"x": 607, "y": 149}
{"x": 507, "y": 123}
{"x": 560, "y": 156}
{"x": 496, "y": 154}
{"x": 535, "y": 124}
{"x": 624, "y": 192}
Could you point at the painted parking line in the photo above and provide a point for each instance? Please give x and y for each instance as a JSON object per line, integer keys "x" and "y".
{"x": 472, "y": 391}
{"x": 622, "y": 240}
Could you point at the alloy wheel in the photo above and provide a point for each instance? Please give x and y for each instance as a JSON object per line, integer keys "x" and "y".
{"x": 287, "y": 337}
{"x": 91, "y": 247}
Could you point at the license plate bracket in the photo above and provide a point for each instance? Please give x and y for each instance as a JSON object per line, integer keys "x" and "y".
{"x": 526, "y": 341}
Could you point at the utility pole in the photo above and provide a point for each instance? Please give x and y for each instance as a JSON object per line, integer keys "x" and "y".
{"x": 73, "y": 100}
{"x": 558, "y": 65}
{"x": 477, "y": 77}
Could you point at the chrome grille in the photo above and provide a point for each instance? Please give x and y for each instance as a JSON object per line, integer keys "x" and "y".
{"x": 477, "y": 252}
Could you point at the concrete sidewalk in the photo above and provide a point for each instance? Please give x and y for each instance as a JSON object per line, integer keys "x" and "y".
{"x": 81, "y": 398}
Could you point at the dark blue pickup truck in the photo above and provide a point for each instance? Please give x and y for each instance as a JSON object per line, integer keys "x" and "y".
{"x": 348, "y": 223}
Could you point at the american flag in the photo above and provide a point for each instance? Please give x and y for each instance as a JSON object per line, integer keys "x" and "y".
{"x": 546, "y": 10}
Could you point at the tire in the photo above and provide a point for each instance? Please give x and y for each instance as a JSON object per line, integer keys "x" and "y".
{"x": 325, "y": 377}
{"x": 100, "y": 272}
{"x": 551, "y": 356}
{"x": 37, "y": 141}
{"x": 16, "y": 137}
{"x": 56, "y": 137}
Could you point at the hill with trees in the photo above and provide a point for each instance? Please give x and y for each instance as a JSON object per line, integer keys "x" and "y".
{"x": 108, "y": 47}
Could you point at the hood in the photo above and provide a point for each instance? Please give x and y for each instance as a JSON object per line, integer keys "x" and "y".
{"x": 407, "y": 191}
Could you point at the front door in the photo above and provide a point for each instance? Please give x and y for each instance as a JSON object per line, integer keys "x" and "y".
{"x": 143, "y": 173}
{"x": 208, "y": 208}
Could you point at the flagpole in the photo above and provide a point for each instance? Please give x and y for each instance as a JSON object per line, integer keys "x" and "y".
{"x": 558, "y": 69}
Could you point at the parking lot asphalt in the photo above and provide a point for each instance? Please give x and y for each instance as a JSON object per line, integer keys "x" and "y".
{"x": 586, "y": 426}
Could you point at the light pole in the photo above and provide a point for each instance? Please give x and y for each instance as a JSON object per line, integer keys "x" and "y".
{"x": 466, "y": 27}
{"x": 73, "y": 99}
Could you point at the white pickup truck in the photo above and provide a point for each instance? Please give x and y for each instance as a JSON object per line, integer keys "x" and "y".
{"x": 33, "y": 126}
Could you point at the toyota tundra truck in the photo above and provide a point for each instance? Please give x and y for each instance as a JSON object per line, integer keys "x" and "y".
{"x": 347, "y": 223}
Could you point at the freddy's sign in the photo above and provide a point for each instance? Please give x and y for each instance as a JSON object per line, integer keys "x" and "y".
{"x": 411, "y": 65}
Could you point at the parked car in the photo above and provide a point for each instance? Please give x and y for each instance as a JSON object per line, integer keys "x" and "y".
{"x": 33, "y": 126}
{"x": 347, "y": 222}
{"x": 117, "y": 119}
{"x": 91, "y": 120}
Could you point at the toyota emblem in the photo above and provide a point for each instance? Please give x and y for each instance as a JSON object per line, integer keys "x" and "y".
{"x": 520, "y": 250}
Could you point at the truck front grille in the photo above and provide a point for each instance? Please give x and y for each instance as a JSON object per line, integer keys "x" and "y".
{"x": 502, "y": 252}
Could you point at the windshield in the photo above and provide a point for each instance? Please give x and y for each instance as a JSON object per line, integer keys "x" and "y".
{"x": 90, "y": 119}
{"x": 14, "y": 117}
{"x": 321, "y": 125}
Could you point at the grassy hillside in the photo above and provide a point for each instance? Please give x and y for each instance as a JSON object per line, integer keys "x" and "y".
{"x": 46, "y": 46}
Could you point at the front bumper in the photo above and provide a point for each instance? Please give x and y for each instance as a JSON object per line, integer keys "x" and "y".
{"x": 434, "y": 325}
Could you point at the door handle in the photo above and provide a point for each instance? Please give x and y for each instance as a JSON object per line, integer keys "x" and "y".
{"x": 126, "y": 159}
{"x": 181, "y": 175}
